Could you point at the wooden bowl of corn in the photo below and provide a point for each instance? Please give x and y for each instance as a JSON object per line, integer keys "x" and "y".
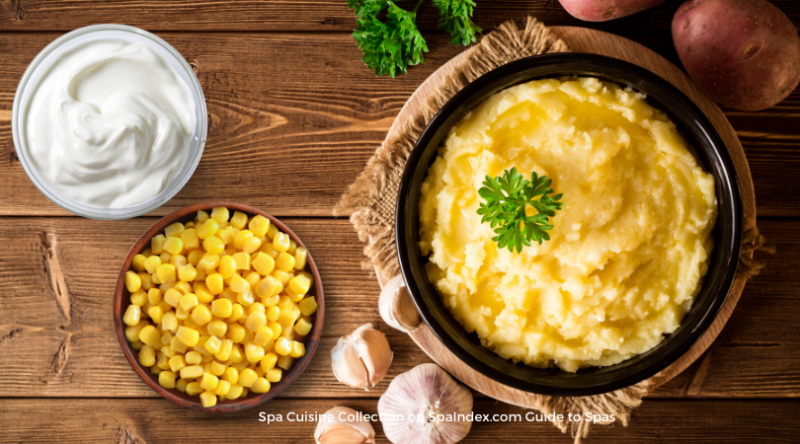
{"x": 218, "y": 307}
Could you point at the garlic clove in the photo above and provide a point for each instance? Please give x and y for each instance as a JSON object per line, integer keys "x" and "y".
{"x": 341, "y": 425}
{"x": 396, "y": 306}
{"x": 425, "y": 405}
{"x": 362, "y": 358}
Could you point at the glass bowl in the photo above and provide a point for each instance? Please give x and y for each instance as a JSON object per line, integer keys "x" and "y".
{"x": 41, "y": 65}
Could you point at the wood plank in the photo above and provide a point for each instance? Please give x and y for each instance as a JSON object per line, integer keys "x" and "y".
{"x": 62, "y": 346}
{"x": 155, "y": 420}
{"x": 319, "y": 15}
{"x": 289, "y": 134}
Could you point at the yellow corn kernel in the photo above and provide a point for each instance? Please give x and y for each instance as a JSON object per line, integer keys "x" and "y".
{"x": 241, "y": 365}
{"x": 213, "y": 344}
{"x": 187, "y": 272}
{"x": 285, "y": 262}
{"x": 154, "y": 296}
{"x": 293, "y": 296}
{"x": 176, "y": 363}
{"x": 256, "y": 320}
{"x": 267, "y": 287}
{"x": 193, "y": 388}
{"x": 177, "y": 345}
{"x": 253, "y": 351}
{"x": 201, "y": 217}
{"x": 147, "y": 356}
{"x": 268, "y": 363}
{"x": 292, "y": 247}
{"x": 217, "y": 328}
{"x": 190, "y": 239}
{"x": 237, "y": 313}
{"x": 188, "y": 336}
{"x": 239, "y": 284}
{"x": 166, "y": 338}
{"x": 215, "y": 283}
{"x": 223, "y": 387}
{"x": 283, "y": 346}
{"x": 274, "y": 374}
{"x": 139, "y": 298}
{"x": 193, "y": 358}
{"x": 235, "y": 392}
{"x": 200, "y": 289}
{"x": 156, "y": 313}
{"x": 174, "y": 230}
{"x": 207, "y": 229}
{"x": 236, "y": 332}
{"x": 149, "y": 335}
{"x": 188, "y": 301}
{"x": 201, "y": 315}
{"x": 308, "y": 306}
{"x": 208, "y": 262}
{"x": 288, "y": 318}
{"x": 213, "y": 245}
{"x": 165, "y": 273}
{"x": 157, "y": 244}
{"x": 138, "y": 262}
{"x": 281, "y": 242}
{"x": 208, "y": 398}
{"x": 227, "y": 266}
{"x": 147, "y": 281}
{"x": 276, "y": 328}
{"x": 225, "y": 349}
{"x": 208, "y": 381}
{"x": 251, "y": 244}
{"x": 132, "y": 281}
{"x": 302, "y": 327}
{"x": 239, "y": 220}
{"x": 245, "y": 299}
{"x": 256, "y": 306}
{"x": 298, "y": 349}
{"x": 183, "y": 287}
{"x": 241, "y": 236}
{"x": 242, "y": 260}
{"x": 282, "y": 276}
{"x": 260, "y": 386}
{"x": 285, "y": 362}
{"x": 182, "y": 314}
{"x": 226, "y": 236}
{"x": 288, "y": 333}
{"x": 166, "y": 379}
{"x": 155, "y": 370}
{"x": 169, "y": 322}
{"x": 252, "y": 278}
{"x": 195, "y": 256}
{"x": 181, "y": 385}
{"x": 165, "y": 287}
{"x": 228, "y": 294}
{"x": 219, "y": 214}
{"x": 177, "y": 260}
{"x": 269, "y": 250}
{"x": 192, "y": 371}
{"x": 136, "y": 345}
{"x": 259, "y": 225}
{"x": 247, "y": 377}
{"x": 217, "y": 368}
{"x": 236, "y": 354}
{"x": 132, "y": 332}
{"x": 300, "y": 258}
{"x": 263, "y": 263}
{"x": 173, "y": 245}
{"x": 262, "y": 336}
{"x": 273, "y": 313}
{"x": 168, "y": 352}
{"x": 272, "y": 230}
{"x": 221, "y": 308}
{"x": 271, "y": 301}
{"x": 133, "y": 315}
{"x": 300, "y": 284}
{"x": 172, "y": 297}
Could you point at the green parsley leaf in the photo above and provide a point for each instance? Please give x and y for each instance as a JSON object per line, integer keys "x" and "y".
{"x": 455, "y": 18}
{"x": 506, "y": 198}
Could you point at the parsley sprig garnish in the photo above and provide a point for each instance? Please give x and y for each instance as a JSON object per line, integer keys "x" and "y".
{"x": 391, "y": 45}
{"x": 506, "y": 197}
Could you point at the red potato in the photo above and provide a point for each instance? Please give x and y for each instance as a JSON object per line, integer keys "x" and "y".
{"x": 604, "y": 10}
{"x": 744, "y": 53}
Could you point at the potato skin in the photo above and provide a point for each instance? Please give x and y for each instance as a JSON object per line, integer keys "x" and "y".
{"x": 604, "y": 10}
{"x": 744, "y": 53}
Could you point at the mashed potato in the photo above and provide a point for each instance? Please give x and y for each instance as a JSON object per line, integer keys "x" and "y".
{"x": 627, "y": 253}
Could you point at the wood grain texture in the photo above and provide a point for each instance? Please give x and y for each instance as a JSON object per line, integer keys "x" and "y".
{"x": 142, "y": 421}
{"x": 64, "y": 346}
{"x": 289, "y": 134}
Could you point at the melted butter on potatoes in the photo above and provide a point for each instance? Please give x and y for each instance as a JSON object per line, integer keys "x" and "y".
{"x": 627, "y": 253}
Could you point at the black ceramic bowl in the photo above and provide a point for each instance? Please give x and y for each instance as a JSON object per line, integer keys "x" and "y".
{"x": 711, "y": 153}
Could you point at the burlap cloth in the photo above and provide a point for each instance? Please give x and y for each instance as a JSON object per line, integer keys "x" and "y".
{"x": 372, "y": 197}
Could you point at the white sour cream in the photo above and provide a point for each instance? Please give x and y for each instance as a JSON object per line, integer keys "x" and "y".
{"x": 110, "y": 123}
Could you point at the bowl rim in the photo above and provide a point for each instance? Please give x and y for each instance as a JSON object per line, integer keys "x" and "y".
{"x": 727, "y": 253}
{"x": 35, "y": 67}
{"x": 122, "y": 297}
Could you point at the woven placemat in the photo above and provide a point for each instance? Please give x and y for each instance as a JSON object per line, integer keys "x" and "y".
{"x": 372, "y": 197}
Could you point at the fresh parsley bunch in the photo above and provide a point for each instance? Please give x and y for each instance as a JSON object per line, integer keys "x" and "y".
{"x": 506, "y": 197}
{"x": 393, "y": 44}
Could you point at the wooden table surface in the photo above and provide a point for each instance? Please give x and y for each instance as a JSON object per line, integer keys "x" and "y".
{"x": 293, "y": 117}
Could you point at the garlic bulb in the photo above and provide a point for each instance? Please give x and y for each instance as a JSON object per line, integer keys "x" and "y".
{"x": 425, "y": 406}
{"x": 342, "y": 425}
{"x": 361, "y": 359}
{"x": 396, "y": 307}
